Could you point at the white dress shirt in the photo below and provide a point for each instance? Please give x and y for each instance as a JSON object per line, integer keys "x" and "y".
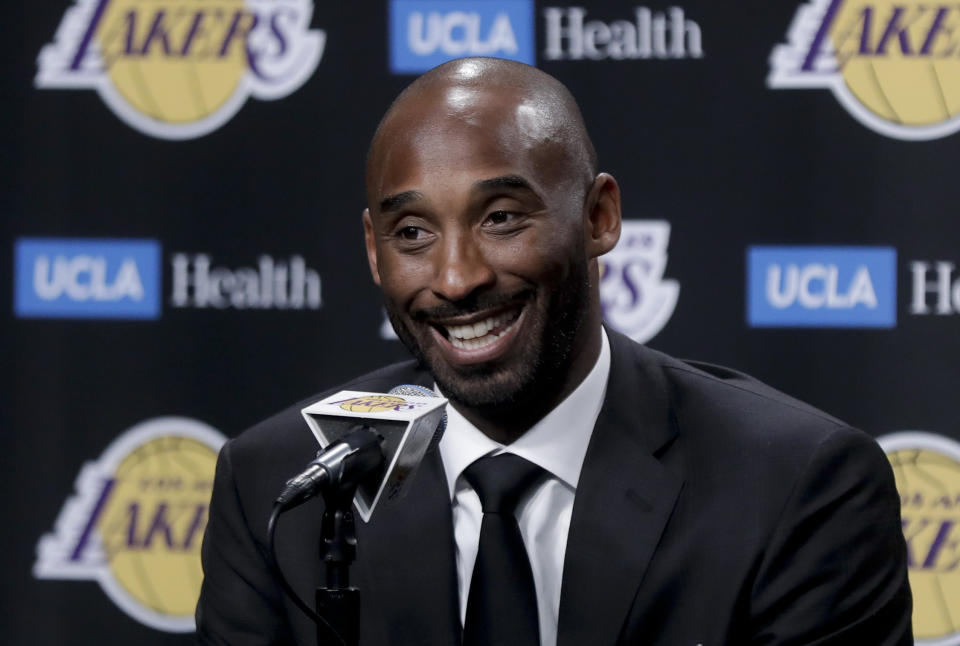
{"x": 557, "y": 444}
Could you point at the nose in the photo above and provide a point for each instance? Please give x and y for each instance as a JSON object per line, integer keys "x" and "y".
{"x": 462, "y": 268}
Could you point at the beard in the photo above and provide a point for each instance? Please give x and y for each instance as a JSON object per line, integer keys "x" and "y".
{"x": 538, "y": 367}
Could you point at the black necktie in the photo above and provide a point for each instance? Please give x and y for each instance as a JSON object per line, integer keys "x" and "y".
{"x": 502, "y": 606}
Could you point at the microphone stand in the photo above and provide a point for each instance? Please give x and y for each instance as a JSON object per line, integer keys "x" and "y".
{"x": 336, "y": 473}
{"x": 338, "y": 601}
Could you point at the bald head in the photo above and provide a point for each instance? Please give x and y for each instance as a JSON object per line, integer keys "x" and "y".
{"x": 517, "y": 104}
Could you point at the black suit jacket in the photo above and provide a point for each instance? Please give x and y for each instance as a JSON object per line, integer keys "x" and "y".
{"x": 711, "y": 510}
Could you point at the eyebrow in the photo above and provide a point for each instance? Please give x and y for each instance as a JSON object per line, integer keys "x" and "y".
{"x": 393, "y": 203}
{"x": 396, "y": 202}
{"x": 507, "y": 181}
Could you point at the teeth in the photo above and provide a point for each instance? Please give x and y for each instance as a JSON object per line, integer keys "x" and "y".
{"x": 476, "y": 335}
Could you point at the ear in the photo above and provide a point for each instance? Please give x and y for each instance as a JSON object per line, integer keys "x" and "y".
{"x": 370, "y": 240}
{"x": 602, "y": 217}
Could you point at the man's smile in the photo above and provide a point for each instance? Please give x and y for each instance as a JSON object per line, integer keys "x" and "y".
{"x": 479, "y": 336}
{"x": 472, "y": 336}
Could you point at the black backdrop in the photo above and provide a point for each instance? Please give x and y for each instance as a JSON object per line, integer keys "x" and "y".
{"x": 700, "y": 141}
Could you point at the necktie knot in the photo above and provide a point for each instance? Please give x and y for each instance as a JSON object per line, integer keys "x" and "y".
{"x": 501, "y": 480}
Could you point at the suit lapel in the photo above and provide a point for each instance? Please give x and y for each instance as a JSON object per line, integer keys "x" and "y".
{"x": 409, "y": 564}
{"x": 624, "y": 499}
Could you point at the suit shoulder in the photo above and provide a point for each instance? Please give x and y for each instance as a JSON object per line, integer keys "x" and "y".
{"x": 739, "y": 410}
{"x": 740, "y": 386}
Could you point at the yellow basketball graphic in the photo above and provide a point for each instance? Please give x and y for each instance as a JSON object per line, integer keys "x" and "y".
{"x": 927, "y": 471}
{"x": 892, "y": 65}
{"x": 180, "y": 69}
{"x": 176, "y": 61}
{"x": 896, "y": 59}
{"x": 136, "y": 521}
{"x": 372, "y": 404}
{"x": 153, "y": 524}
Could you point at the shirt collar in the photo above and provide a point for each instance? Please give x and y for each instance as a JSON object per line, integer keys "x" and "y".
{"x": 557, "y": 443}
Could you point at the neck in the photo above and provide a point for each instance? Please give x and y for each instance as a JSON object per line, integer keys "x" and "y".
{"x": 506, "y": 423}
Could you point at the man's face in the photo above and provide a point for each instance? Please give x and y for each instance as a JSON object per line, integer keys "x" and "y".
{"x": 475, "y": 235}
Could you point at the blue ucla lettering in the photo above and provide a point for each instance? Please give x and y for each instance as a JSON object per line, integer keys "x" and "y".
{"x": 84, "y": 277}
{"x": 817, "y": 285}
{"x": 458, "y": 33}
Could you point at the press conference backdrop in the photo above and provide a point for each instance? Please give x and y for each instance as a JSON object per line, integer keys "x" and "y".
{"x": 182, "y": 188}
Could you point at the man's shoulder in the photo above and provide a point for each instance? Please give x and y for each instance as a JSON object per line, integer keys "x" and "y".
{"x": 754, "y": 399}
{"x": 728, "y": 431}
{"x": 729, "y": 410}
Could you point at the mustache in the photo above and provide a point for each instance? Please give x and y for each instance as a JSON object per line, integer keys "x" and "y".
{"x": 472, "y": 304}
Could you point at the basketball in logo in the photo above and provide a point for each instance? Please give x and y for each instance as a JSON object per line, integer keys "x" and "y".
{"x": 890, "y": 57}
{"x": 892, "y": 65}
{"x": 927, "y": 471}
{"x": 136, "y": 522}
{"x": 179, "y": 69}
{"x": 169, "y": 88}
{"x": 372, "y": 404}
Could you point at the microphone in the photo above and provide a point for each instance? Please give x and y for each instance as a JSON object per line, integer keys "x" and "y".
{"x": 371, "y": 441}
{"x": 342, "y": 465}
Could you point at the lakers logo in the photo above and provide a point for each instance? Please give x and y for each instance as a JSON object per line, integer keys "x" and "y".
{"x": 137, "y": 519}
{"x": 377, "y": 404}
{"x": 179, "y": 69}
{"x": 892, "y": 65}
{"x": 927, "y": 470}
{"x": 636, "y": 298}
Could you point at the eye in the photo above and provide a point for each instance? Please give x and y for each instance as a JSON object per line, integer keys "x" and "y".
{"x": 411, "y": 237}
{"x": 500, "y": 217}
{"x": 410, "y": 233}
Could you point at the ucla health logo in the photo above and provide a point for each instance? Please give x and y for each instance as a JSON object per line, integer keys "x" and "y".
{"x": 892, "y": 65}
{"x": 636, "y": 299}
{"x": 179, "y": 69}
{"x": 426, "y": 33}
{"x": 136, "y": 521}
{"x": 822, "y": 287}
{"x": 87, "y": 278}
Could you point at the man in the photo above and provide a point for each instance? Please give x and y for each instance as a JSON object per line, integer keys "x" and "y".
{"x": 672, "y": 503}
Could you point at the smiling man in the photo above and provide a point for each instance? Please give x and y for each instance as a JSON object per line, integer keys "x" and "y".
{"x": 486, "y": 219}
{"x": 587, "y": 490}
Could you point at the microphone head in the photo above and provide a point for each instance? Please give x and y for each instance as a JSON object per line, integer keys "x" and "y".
{"x": 409, "y": 421}
{"x": 422, "y": 391}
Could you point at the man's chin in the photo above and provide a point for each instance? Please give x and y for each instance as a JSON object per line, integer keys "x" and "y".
{"x": 502, "y": 382}
{"x": 480, "y": 385}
